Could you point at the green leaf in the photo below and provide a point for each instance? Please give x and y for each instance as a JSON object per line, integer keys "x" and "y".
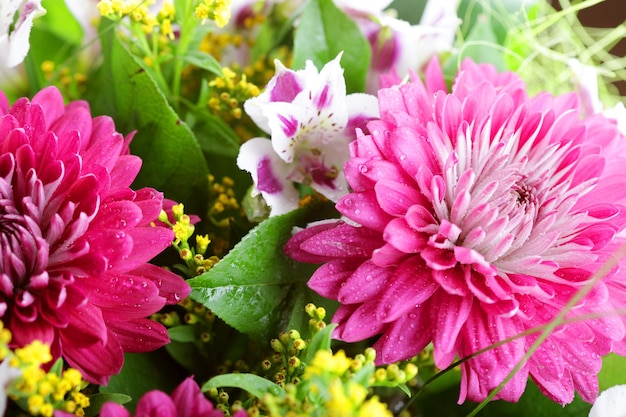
{"x": 143, "y": 372}
{"x": 60, "y": 22}
{"x": 214, "y": 136}
{"x": 404, "y": 388}
{"x": 203, "y": 60}
{"x": 321, "y": 341}
{"x": 96, "y": 401}
{"x": 363, "y": 375}
{"x": 322, "y": 33}
{"x": 172, "y": 160}
{"x": 482, "y": 45}
{"x": 254, "y": 287}
{"x": 57, "y": 368}
{"x": 185, "y": 333}
{"x": 254, "y": 384}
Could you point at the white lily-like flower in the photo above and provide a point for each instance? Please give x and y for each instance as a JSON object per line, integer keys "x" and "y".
{"x": 14, "y": 39}
{"x": 311, "y": 122}
{"x": 610, "y": 403}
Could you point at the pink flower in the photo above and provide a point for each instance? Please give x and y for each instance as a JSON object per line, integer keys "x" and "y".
{"x": 475, "y": 216}
{"x": 75, "y": 239}
{"x": 186, "y": 401}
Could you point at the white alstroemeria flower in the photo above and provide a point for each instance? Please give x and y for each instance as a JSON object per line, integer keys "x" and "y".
{"x": 610, "y": 403}
{"x": 311, "y": 122}
{"x": 14, "y": 43}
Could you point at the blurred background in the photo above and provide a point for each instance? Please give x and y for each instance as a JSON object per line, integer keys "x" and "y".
{"x": 605, "y": 14}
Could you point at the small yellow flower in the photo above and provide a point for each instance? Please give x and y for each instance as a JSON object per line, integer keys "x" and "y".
{"x": 374, "y": 408}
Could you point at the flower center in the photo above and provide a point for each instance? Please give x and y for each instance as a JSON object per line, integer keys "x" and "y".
{"x": 525, "y": 194}
{"x": 23, "y": 258}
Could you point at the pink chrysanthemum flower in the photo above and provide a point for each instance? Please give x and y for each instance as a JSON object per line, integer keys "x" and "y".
{"x": 475, "y": 216}
{"x": 75, "y": 239}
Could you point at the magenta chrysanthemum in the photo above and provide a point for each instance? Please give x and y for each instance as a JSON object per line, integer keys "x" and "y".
{"x": 475, "y": 216}
{"x": 75, "y": 239}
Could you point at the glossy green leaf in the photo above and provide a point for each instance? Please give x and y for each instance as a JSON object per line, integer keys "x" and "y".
{"x": 254, "y": 384}
{"x": 254, "y": 287}
{"x": 323, "y": 32}
{"x": 172, "y": 160}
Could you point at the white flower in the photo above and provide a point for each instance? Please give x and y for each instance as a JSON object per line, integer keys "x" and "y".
{"x": 610, "y": 403}
{"x": 14, "y": 39}
{"x": 311, "y": 122}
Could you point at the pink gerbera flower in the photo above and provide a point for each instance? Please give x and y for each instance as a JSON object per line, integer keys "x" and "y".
{"x": 475, "y": 216}
{"x": 75, "y": 239}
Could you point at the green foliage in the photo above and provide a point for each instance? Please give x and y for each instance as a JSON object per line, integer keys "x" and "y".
{"x": 322, "y": 33}
{"x": 320, "y": 341}
{"x": 482, "y": 45}
{"x": 203, "y": 60}
{"x": 253, "y": 288}
{"x": 183, "y": 333}
{"x": 254, "y": 384}
{"x": 142, "y": 373}
{"x": 215, "y": 137}
{"x": 172, "y": 159}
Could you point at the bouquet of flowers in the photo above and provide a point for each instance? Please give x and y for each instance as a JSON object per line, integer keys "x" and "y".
{"x": 311, "y": 208}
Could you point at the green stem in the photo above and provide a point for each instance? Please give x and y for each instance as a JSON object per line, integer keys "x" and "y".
{"x": 186, "y": 35}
